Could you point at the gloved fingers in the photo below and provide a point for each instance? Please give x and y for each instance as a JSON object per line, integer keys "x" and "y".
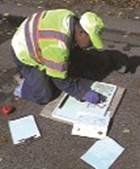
{"x": 92, "y": 97}
{"x": 102, "y": 97}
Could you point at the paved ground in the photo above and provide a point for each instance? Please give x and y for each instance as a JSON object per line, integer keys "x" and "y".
{"x": 57, "y": 149}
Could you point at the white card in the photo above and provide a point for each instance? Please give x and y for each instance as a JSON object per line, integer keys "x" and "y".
{"x": 103, "y": 153}
{"x": 23, "y": 128}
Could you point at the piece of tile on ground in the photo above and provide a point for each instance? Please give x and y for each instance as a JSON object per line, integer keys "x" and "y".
{"x": 23, "y": 129}
{"x": 103, "y": 153}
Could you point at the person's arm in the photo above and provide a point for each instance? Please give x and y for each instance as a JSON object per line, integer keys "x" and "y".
{"x": 75, "y": 88}
{"x": 80, "y": 89}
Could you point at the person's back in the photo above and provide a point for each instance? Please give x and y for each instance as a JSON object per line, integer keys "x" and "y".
{"x": 44, "y": 40}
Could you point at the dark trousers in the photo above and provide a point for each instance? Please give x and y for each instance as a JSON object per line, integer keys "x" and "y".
{"x": 37, "y": 86}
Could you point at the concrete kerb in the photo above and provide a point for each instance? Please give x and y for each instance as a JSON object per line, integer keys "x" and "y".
{"x": 111, "y": 23}
{"x": 116, "y": 29}
{"x": 122, "y": 30}
{"x": 123, "y": 25}
{"x": 16, "y": 11}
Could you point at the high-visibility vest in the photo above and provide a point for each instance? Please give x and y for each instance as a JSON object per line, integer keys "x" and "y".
{"x": 43, "y": 41}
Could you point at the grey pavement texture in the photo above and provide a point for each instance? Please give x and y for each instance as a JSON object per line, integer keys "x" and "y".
{"x": 123, "y": 29}
{"x": 57, "y": 149}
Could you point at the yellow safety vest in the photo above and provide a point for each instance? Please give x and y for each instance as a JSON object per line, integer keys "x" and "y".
{"x": 45, "y": 41}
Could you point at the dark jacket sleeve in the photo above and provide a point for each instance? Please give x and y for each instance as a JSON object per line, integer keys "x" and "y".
{"x": 75, "y": 88}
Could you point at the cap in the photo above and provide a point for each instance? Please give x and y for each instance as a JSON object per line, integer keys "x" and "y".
{"x": 93, "y": 25}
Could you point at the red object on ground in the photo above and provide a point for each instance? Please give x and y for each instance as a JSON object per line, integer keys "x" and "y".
{"x": 6, "y": 109}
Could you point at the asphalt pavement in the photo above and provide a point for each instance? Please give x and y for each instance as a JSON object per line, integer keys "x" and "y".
{"x": 57, "y": 148}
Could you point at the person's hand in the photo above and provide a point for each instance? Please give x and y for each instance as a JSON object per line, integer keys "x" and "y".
{"x": 94, "y": 97}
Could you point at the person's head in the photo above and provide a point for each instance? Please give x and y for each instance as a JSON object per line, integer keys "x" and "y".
{"x": 81, "y": 37}
{"x": 88, "y": 31}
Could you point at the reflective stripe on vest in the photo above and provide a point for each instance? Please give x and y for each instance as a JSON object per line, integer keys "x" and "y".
{"x": 35, "y": 37}
{"x": 54, "y": 35}
{"x": 33, "y": 46}
{"x": 28, "y": 39}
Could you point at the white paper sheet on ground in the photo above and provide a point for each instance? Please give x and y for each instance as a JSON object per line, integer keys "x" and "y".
{"x": 23, "y": 128}
{"x": 90, "y": 125}
{"x": 71, "y": 107}
{"x": 103, "y": 153}
{"x": 68, "y": 112}
{"x": 107, "y": 90}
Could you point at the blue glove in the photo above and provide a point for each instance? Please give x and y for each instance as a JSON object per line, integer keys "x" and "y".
{"x": 94, "y": 97}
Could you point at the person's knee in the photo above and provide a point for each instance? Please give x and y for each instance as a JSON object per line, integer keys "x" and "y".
{"x": 42, "y": 101}
{"x": 43, "y": 96}
{"x": 37, "y": 87}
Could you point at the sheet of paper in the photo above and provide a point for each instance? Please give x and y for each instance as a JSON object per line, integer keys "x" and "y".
{"x": 90, "y": 125}
{"x": 69, "y": 110}
{"x": 103, "y": 153}
{"x": 107, "y": 90}
{"x": 23, "y": 128}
